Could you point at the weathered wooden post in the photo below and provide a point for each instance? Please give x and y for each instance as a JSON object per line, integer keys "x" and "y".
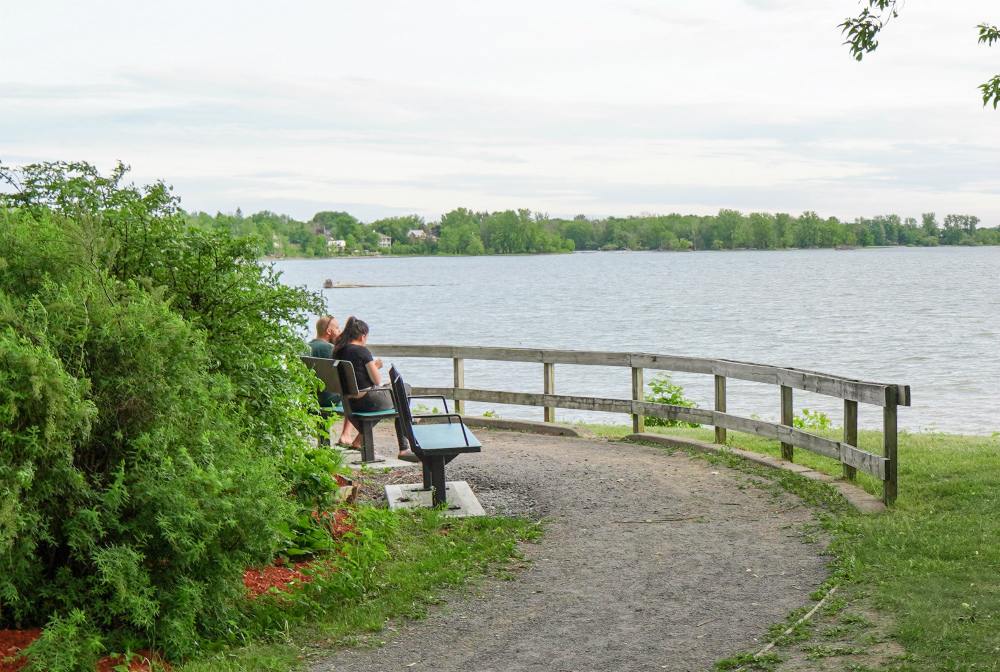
{"x": 638, "y": 419}
{"x": 720, "y": 405}
{"x": 787, "y": 418}
{"x": 889, "y": 445}
{"x": 549, "y": 387}
{"x": 459, "y": 364}
{"x": 850, "y": 433}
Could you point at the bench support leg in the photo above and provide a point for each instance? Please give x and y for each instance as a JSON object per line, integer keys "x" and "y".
{"x": 368, "y": 444}
{"x": 434, "y": 472}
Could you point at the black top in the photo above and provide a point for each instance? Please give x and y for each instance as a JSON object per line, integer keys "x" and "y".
{"x": 358, "y": 356}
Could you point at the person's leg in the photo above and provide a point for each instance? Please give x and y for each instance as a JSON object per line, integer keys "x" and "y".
{"x": 381, "y": 400}
{"x": 346, "y": 434}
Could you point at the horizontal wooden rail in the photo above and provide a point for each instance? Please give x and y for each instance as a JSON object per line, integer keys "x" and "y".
{"x": 799, "y": 379}
{"x": 850, "y": 455}
{"x": 886, "y": 395}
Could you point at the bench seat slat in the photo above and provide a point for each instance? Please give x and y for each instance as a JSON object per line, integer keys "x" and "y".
{"x": 444, "y": 439}
{"x": 376, "y": 414}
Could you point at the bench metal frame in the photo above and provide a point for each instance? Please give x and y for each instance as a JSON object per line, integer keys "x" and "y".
{"x": 433, "y": 447}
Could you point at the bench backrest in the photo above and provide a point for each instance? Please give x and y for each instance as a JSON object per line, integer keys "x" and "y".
{"x": 348, "y": 381}
{"x": 402, "y": 404}
{"x": 326, "y": 370}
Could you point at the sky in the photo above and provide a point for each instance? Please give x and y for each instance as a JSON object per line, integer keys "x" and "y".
{"x": 390, "y": 107}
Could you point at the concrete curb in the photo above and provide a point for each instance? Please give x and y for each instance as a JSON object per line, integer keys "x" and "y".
{"x": 551, "y": 428}
{"x": 855, "y": 496}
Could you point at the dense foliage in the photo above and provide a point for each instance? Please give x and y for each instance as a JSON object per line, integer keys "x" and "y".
{"x": 463, "y": 231}
{"x": 151, "y": 411}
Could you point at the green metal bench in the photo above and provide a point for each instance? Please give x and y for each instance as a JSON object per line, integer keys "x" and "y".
{"x": 436, "y": 440}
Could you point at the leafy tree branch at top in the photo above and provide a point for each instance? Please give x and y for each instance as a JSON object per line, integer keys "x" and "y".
{"x": 862, "y": 33}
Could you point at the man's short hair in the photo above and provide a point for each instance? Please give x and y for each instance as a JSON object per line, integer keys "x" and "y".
{"x": 322, "y": 323}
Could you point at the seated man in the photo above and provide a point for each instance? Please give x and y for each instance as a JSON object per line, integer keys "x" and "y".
{"x": 327, "y": 331}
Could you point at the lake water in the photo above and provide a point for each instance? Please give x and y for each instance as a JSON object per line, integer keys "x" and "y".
{"x": 927, "y": 317}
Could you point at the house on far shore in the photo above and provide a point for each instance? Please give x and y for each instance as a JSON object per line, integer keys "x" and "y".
{"x": 419, "y": 234}
{"x": 384, "y": 241}
{"x": 339, "y": 244}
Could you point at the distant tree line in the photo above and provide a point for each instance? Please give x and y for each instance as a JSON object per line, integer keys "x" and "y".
{"x": 464, "y": 231}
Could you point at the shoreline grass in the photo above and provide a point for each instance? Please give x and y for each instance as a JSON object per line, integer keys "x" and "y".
{"x": 929, "y": 568}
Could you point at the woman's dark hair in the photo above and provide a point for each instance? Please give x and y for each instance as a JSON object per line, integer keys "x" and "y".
{"x": 353, "y": 330}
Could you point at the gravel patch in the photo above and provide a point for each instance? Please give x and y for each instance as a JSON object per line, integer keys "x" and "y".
{"x": 651, "y": 560}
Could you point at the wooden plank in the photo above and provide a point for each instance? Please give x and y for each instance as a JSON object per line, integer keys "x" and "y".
{"x": 799, "y": 379}
{"x": 863, "y": 460}
{"x": 672, "y": 363}
{"x": 787, "y": 418}
{"x": 850, "y": 434}
{"x": 531, "y": 399}
{"x": 549, "y": 387}
{"x": 889, "y": 449}
{"x": 720, "y": 406}
{"x": 699, "y": 416}
{"x": 638, "y": 391}
{"x": 459, "y": 370}
{"x": 869, "y": 463}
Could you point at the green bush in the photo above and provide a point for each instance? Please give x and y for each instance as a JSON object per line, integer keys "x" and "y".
{"x": 665, "y": 391}
{"x": 152, "y": 413}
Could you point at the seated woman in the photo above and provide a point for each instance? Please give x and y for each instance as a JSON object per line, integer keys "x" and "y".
{"x": 350, "y": 346}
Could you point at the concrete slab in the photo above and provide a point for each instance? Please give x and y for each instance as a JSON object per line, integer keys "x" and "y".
{"x": 462, "y": 502}
{"x": 382, "y": 462}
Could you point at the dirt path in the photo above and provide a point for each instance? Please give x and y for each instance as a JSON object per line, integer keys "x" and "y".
{"x": 608, "y": 590}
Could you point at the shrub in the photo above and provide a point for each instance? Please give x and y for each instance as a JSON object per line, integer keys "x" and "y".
{"x": 665, "y": 391}
{"x": 152, "y": 412}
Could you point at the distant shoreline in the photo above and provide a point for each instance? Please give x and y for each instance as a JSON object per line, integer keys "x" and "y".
{"x": 557, "y": 254}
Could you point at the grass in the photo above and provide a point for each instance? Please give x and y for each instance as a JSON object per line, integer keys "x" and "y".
{"x": 927, "y": 572}
{"x": 427, "y": 553}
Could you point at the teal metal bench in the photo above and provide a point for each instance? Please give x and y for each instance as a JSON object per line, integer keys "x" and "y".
{"x": 338, "y": 377}
{"x": 348, "y": 386}
{"x": 436, "y": 440}
{"x": 326, "y": 371}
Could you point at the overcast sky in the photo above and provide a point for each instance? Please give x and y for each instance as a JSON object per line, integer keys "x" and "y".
{"x": 598, "y": 107}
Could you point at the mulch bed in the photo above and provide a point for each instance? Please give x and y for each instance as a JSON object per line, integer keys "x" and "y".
{"x": 279, "y": 576}
{"x": 12, "y": 641}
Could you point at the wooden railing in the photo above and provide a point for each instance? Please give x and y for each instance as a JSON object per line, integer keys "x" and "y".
{"x": 888, "y": 396}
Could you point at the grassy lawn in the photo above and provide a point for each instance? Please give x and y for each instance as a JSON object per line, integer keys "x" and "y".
{"x": 926, "y": 575}
{"x": 427, "y": 552}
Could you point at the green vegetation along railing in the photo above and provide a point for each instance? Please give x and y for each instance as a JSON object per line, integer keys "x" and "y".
{"x": 853, "y": 392}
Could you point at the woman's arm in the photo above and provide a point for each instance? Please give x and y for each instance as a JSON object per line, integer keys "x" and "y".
{"x": 373, "y": 373}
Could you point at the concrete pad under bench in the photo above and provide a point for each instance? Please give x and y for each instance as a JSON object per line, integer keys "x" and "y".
{"x": 353, "y": 458}
{"x": 462, "y": 502}
{"x": 855, "y": 496}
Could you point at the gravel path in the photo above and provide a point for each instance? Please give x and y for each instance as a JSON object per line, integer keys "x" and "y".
{"x": 609, "y": 590}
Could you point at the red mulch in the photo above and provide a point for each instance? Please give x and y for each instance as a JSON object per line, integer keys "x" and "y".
{"x": 284, "y": 577}
{"x": 12, "y": 641}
